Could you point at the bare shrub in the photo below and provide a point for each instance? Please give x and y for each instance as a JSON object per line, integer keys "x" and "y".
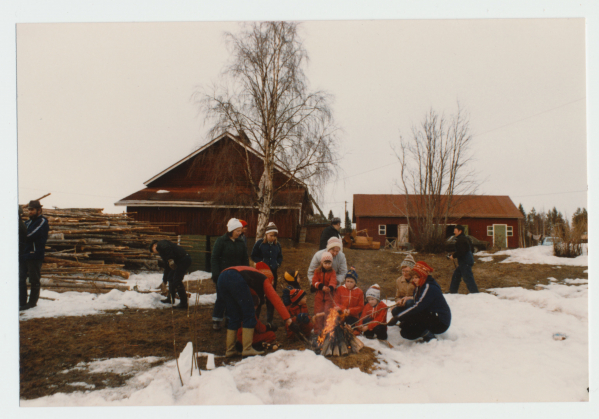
{"x": 568, "y": 241}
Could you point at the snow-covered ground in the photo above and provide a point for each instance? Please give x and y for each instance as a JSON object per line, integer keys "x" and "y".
{"x": 499, "y": 348}
{"x": 83, "y": 303}
{"x": 538, "y": 254}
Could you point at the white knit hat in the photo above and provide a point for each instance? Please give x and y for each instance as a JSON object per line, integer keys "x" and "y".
{"x": 271, "y": 228}
{"x": 334, "y": 242}
{"x": 408, "y": 261}
{"x": 234, "y": 224}
{"x": 374, "y": 291}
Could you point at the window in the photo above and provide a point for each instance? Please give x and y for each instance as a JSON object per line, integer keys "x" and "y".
{"x": 382, "y": 229}
{"x": 510, "y": 231}
{"x": 490, "y": 231}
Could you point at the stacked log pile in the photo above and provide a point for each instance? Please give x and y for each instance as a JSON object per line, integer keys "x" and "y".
{"x": 88, "y": 250}
{"x": 360, "y": 240}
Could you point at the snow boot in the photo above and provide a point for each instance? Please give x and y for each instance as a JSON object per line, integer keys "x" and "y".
{"x": 428, "y": 336}
{"x": 247, "y": 340}
{"x": 231, "y": 344}
{"x": 183, "y": 297}
{"x": 34, "y": 295}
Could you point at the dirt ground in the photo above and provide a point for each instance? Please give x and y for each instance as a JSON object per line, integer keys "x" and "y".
{"x": 50, "y": 348}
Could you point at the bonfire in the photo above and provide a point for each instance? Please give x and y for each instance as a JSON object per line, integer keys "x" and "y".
{"x": 337, "y": 337}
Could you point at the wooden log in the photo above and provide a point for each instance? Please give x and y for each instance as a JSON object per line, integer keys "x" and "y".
{"x": 86, "y": 278}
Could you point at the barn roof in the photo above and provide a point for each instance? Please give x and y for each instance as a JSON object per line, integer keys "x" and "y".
{"x": 208, "y": 197}
{"x": 465, "y": 206}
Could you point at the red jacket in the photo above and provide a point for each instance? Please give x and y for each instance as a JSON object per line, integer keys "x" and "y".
{"x": 294, "y": 310}
{"x": 380, "y": 317}
{"x": 350, "y": 299}
{"x": 262, "y": 286}
{"x": 321, "y": 279}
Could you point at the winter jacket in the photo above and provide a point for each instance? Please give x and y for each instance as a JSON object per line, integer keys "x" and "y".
{"x": 167, "y": 251}
{"x": 326, "y": 234}
{"x": 262, "y": 286}
{"x": 271, "y": 254}
{"x": 301, "y": 316}
{"x": 377, "y": 318}
{"x": 339, "y": 265}
{"x": 429, "y": 299}
{"x": 353, "y": 300}
{"x": 404, "y": 288}
{"x": 463, "y": 249}
{"x": 37, "y": 235}
{"x": 22, "y": 236}
{"x": 227, "y": 253}
{"x": 322, "y": 279}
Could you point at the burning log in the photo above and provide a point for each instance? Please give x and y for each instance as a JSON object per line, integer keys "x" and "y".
{"x": 337, "y": 338}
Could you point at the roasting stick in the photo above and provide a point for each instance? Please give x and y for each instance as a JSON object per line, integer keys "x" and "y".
{"x": 386, "y": 308}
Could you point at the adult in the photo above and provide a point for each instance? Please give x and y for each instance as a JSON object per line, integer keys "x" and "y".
{"x": 33, "y": 255}
{"x": 339, "y": 261}
{"x": 176, "y": 263}
{"x": 404, "y": 287}
{"x": 235, "y": 288}
{"x": 330, "y": 231}
{"x": 430, "y": 314}
{"x": 463, "y": 253}
{"x": 268, "y": 250}
{"x": 229, "y": 250}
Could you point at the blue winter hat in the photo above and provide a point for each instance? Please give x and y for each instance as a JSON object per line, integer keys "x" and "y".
{"x": 351, "y": 273}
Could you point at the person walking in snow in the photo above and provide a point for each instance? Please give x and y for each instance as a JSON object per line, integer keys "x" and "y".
{"x": 234, "y": 288}
{"x": 229, "y": 250}
{"x": 350, "y": 298}
{"x": 429, "y": 314}
{"x": 33, "y": 255}
{"x": 176, "y": 263}
{"x": 339, "y": 261}
{"x": 268, "y": 250}
{"x": 372, "y": 320}
{"x": 463, "y": 253}
{"x": 330, "y": 231}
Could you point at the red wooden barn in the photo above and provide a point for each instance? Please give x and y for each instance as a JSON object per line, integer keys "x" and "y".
{"x": 212, "y": 184}
{"x": 490, "y": 218}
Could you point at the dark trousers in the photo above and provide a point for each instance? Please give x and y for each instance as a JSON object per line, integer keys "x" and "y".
{"x": 414, "y": 326}
{"x": 175, "y": 280}
{"x": 31, "y": 268}
{"x": 396, "y": 310}
{"x": 464, "y": 270}
{"x": 379, "y": 331}
{"x": 351, "y": 320}
{"x": 270, "y": 308}
{"x": 236, "y": 297}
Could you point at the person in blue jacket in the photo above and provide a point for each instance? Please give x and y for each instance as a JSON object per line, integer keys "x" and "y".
{"x": 428, "y": 313}
{"x": 268, "y": 251}
{"x": 463, "y": 253}
{"x": 33, "y": 256}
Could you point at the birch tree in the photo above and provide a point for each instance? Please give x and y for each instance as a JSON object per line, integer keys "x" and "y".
{"x": 435, "y": 175}
{"x": 264, "y": 96}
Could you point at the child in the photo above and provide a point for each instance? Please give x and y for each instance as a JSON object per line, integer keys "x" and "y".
{"x": 262, "y": 332}
{"x": 375, "y": 314}
{"x": 323, "y": 282}
{"x": 298, "y": 309}
{"x": 268, "y": 250}
{"x": 291, "y": 283}
{"x": 349, "y": 298}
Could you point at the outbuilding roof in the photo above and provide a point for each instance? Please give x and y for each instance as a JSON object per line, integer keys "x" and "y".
{"x": 465, "y": 206}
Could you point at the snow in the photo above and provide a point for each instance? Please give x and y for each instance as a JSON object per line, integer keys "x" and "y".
{"x": 83, "y": 303}
{"x": 486, "y": 259}
{"x": 541, "y": 255}
{"x": 499, "y": 348}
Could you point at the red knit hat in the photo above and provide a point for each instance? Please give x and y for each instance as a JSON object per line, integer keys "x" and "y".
{"x": 243, "y": 223}
{"x": 264, "y": 269}
{"x": 423, "y": 270}
{"x": 296, "y": 295}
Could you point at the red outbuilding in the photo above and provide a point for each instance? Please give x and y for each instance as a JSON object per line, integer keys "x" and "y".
{"x": 494, "y": 219}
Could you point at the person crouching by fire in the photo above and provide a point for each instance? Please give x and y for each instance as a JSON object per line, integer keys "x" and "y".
{"x": 324, "y": 282}
{"x": 430, "y": 314}
{"x": 298, "y": 309}
{"x": 372, "y": 321}
{"x": 262, "y": 333}
{"x": 350, "y": 298}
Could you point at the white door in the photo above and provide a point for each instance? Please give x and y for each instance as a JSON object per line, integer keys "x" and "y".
{"x": 403, "y": 233}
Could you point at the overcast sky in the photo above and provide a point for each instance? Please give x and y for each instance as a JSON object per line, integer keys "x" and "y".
{"x": 104, "y": 107}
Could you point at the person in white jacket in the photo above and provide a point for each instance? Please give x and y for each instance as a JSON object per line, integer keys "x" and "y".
{"x": 339, "y": 263}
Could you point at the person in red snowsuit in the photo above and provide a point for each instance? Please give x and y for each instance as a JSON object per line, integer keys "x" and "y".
{"x": 298, "y": 309}
{"x": 375, "y": 314}
{"x": 324, "y": 282}
{"x": 349, "y": 298}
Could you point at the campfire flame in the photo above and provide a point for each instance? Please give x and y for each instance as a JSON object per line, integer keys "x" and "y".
{"x": 333, "y": 319}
